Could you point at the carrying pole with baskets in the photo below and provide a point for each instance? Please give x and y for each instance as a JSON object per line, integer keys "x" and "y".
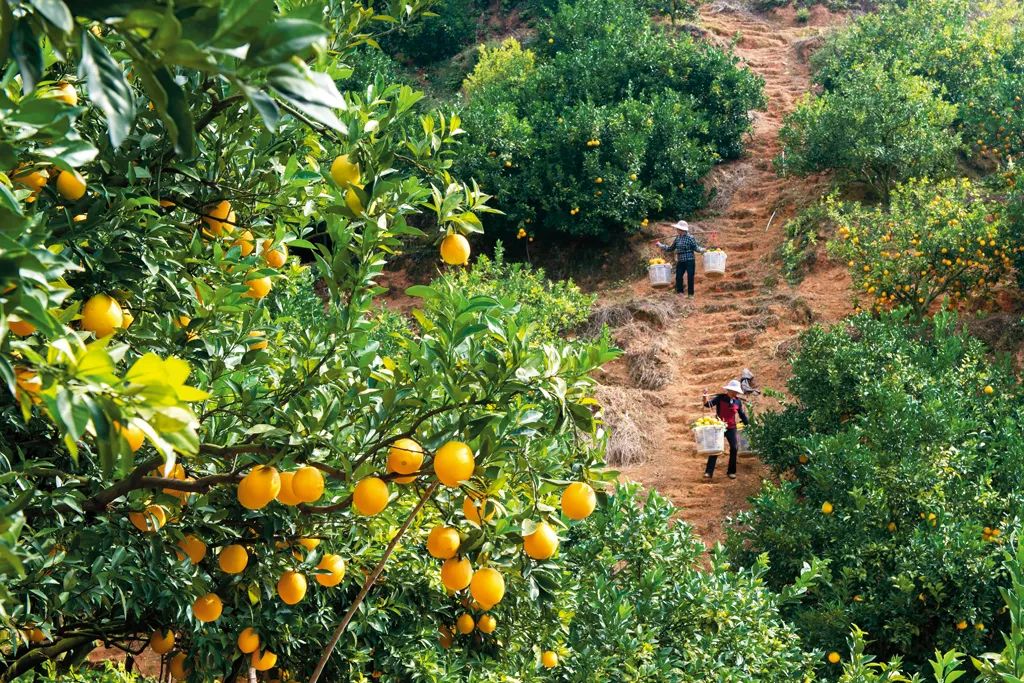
{"x": 714, "y": 257}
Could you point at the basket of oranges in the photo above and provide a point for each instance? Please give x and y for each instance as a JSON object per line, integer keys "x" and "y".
{"x": 659, "y": 272}
{"x": 709, "y": 433}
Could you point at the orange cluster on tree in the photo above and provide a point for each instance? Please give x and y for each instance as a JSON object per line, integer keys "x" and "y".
{"x": 934, "y": 241}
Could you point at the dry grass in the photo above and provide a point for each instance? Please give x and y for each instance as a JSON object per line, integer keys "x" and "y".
{"x": 625, "y": 413}
{"x": 647, "y": 367}
{"x": 656, "y": 312}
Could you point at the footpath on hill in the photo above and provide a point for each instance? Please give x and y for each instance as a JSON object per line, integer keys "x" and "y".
{"x": 750, "y": 318}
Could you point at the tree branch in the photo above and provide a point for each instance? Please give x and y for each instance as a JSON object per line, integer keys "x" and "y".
{"x": 370, "y": 580}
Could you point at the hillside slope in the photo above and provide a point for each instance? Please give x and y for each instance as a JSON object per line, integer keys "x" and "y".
{"x": 748, "y": 318}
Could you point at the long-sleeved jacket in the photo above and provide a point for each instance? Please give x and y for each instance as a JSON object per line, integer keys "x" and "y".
{"x": 684, "y": 246}
{"x": 727, "y": 409}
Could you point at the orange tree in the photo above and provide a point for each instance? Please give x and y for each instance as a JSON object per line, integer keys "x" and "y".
{"x": 899, "y": 467}
{"x": 194, "y": 458}
{"x": 935, "y": 240}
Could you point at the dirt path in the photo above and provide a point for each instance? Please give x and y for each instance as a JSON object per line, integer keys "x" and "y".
{"x": 749, "y": 318}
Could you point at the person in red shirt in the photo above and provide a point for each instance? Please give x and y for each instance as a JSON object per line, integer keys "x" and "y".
{"x": 728, "y": 407}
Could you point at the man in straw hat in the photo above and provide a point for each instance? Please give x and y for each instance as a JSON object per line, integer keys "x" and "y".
{"x": 684, "y": 245}
{"x": 728, "y": 407}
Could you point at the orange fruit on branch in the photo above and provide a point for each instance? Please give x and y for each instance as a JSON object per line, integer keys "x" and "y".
{"x": 370, "y": 496}
{"x": 149, "y": 520}
{"x": 578, "y": 500}
{"x": 454, "y": 463}
{"x": 291, "y": 587}
{"x": 335, "y": 566}
{"x": 473, "y": 507}
{"x": 207, "y": 608}
{"x": 248, "y": 640}
{"x": 275, "y": 258}
{"x": 101, "y": 315}
{"x": 308, "y": 484}
{"x": 22, "y": 328}
{"x": 177, "y": 667}
{"x": 215, "y": 217}
{"x": 549, "y": 659}
{"x": 405, "y": 457}
{"x": 465, "y": 624}
{"x": 161, "y": 642}
{"x": 455, "y": 250}
{"x": 264, "y": 661}
{"x": 542, "y": 543}
{"x": 193, "y": 547}
{"x": 233, "y": 559}
{"x": 71, "y": 185}
{"x": 285, "y": 495}
{"x": 443, "y": 542}
{"x": 259, "y": 487}
{"x": 487, "y": 587}
{"x": 456, "y": 574}
{"x": 486, "y": 624}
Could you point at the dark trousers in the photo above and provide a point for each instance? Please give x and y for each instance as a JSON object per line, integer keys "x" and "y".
{"x": 690, "y": 268}
{"x": 730, "y": 436}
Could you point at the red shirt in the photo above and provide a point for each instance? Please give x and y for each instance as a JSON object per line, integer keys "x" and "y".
{"x": 728, "y": 409}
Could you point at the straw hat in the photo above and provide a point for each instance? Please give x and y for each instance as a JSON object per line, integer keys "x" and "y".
{"x": 682, "y": 226}
{"x": 734, "y": 386}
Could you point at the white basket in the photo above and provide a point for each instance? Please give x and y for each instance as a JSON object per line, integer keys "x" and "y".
{"x": 660, "y": 275}
{"x": 714, "y": 263}
{"x": 710, "y": 440}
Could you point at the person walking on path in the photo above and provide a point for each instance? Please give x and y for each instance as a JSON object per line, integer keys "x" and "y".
{"x": 728, "y": 407}
{"x": 684, "y": 246}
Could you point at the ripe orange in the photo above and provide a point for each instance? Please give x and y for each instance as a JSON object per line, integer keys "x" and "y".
{"x": 65, "y": 92}
{"x": 193, "y": 547}
{"x": 454, "y": 463}
{"x": 151, "y": 519}
{"x": 101, "y": 315}
{"x": 465, "y": 624}
{"x": 542, "y": 543}
{"x": 309, "y": 544}
{"x": 834, "y": 658}
{"x": 308, "y": 484}
{"x": 285, "y": 495}
{"x": 259, "y": 287}
{"x": 233, "y": 559}
{"x": 291, "y": 587}
{"x": 443, "y": 542}
{"x": 248, "y": 640}
{"x": 455, "y": 250}
{"x": 264, "y": 661}
{"x": 126, "y": 319}
{"x": 71, "y": 185}
{"x": 370, "y": 496}
{"x": 177, "y": 666}
{"x": 353, "y": 202}
{"x": 259, "y": 487}
{"x": 826, "y": 508}
{"x": 245, "y": 243}
{"x": 258, "y": 345}
{"x": 578, "y": 500}
{"x": 487, "y": 587}
{"x": 215, "y": 216}
{"x": 333, "y": 564}
{"x": 33, "y": 180}
{"x": 549, "y": 659}
{"x": 472, "y": 508}
{"x": 207, "y": 608}
{"x": 275, "y": 258}
{"x": 344, "y": 172}
{"x": 456, "y": 574}
{"x": 405, "y": 457}
{"x": 20, "y": 327}
{"x": 161, "y": 642}
{"x": 27, "y": 380}
{"x": 486, "y": 624}
{"x": 131, "y": 434}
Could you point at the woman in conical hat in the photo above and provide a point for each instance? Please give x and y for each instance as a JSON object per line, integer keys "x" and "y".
{"x": 728, "y": 407}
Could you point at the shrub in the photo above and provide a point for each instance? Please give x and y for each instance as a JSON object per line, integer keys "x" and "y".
{"x": 643, "y": 609}
{"x": 430, "y": 39}
{"x": 551, "y": 308}
{"x": 934, "y": 240}
{"x": 915, "y": 440}
{"x": 803, "y": 235}
{"x": 876, "y": 125}
{"x": 972, "y": 50}
{"x": 613, "y": 123}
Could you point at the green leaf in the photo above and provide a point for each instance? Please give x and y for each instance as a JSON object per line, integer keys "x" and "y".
{"x": 282, "y": 39}
{"x": 265, "y": 106}
{"x": 177, "y": 113}
{"x": 27, "y": 54}
{"x": 313, "y": 94}
{"x": 56, "y": 12}
{"x": 108, "y": 88}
